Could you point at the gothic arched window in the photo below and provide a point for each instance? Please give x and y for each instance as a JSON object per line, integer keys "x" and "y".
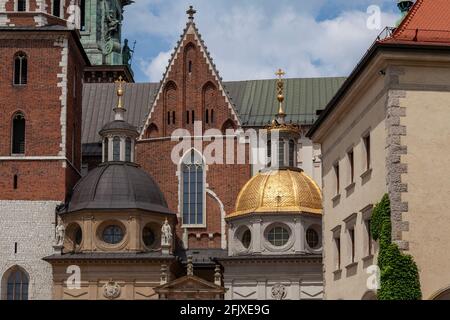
{"x": 18, "y": 134}
{"x": 116, "y": 149}
{"x": 17, "y": 286}
{"x": 106, "y": 149}
{"x": 193, "y": 189}
{"x": 128, "y": 149}
{"x": 20, "y": 68}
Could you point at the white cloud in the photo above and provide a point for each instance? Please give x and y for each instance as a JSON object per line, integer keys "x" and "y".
{"x": 156, "y": 67}
{"x": 249, "y": 39}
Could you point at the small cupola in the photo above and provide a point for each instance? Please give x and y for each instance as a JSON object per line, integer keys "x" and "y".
{"x": 118, "y": 136}
{"x": 282, "y": 137}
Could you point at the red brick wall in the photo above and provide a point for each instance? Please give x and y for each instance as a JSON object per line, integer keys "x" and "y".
{"x": 39, "y": 100}
{"x": 196, "y": 91}
{"x": 190, "y": 92}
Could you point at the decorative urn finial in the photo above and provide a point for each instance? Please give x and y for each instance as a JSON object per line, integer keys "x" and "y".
{"x": 280, "y": 96}
{"x": 120, "y": 110}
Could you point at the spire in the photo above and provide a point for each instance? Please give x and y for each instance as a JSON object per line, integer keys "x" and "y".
{"x": 191, "y": 12}
{"x": 280, "y": 96}
{"x": 119, "y": 110}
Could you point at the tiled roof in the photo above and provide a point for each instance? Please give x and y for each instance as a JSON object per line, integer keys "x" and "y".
{"x": 427, "y": 22}
{"x": 254, "y": 101}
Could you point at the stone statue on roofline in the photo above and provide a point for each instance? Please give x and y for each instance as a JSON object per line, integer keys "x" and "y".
{"x": 60, "y": 233}
{"x": 166, "y": 234}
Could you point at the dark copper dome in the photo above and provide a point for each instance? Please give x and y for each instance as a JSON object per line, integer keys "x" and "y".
{"x": 117, "y": 185}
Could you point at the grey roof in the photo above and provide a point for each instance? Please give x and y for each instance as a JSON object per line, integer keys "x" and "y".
{"x": 99, "y": 99}
{"x": 117, "y": 185}
{"x": 119, "y": 125}
{"x": 254, "y": 101}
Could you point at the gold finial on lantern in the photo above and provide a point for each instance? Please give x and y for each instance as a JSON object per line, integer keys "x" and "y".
{"x": 120, "y": 91}
{"x": 280, "y": 90}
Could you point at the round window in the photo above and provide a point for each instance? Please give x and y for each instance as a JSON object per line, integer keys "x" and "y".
{"x": 246, "y": 239}
{"x": 278, "y": 236}
{"x": 312, "y": 238}
{"x": 148, "y": 236}
{"x": 113, "y": 234}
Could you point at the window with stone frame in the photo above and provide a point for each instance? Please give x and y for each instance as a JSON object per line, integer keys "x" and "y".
{"x": 17, "y": 285}
{"x": 57, "y": 8}
{"x": 20, "y": 69}
{"x": 18, "y": 134}
{"x": 116, "y": 149}
{"x": 193, "y": 189}
{"x": 21, "y": 5}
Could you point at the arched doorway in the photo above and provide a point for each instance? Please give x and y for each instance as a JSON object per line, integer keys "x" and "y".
{"x": 442, "y": 295}
{"x": 15, "y": 284}
{"x": 369, "y": 295}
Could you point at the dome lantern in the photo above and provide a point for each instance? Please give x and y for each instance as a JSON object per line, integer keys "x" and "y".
{"x": 118, "y": 136}
{"x": 282, "y": 137}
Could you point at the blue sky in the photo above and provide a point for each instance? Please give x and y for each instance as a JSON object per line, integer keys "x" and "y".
{"x": 249, "y": 39}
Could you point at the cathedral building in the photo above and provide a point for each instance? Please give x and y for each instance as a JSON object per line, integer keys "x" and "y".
{"x": 90, "y": 190}
{"x": 386, "y": 132}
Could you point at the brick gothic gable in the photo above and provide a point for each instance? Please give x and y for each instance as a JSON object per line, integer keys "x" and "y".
{"x": 191, "y": 88}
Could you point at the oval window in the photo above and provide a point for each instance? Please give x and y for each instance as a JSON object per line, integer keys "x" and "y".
{"x": 113, "y": 234}
{"x": 246, "y": 239}
{"x": 278, "y": 236}
{"x": 312, "y": 238}
{"x": 148, "y": 236}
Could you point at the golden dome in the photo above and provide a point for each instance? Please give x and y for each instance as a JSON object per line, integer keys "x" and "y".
{"x": 286, "y": 190}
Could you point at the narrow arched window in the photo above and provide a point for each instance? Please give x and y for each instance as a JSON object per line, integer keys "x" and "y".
{"x": 18, "y": 134}
{"x": 128, "y": 149}
{"x": 281, "y": 153}
{"x": 173, "y": 117}
{"x": 269, "y": 152}
{"x": 193, "y": 116}
{"x": 116, "y": 149}
{"x": 17, "y": 286}
{"x": 106, "y": 149}
{"x": 190, "y": 67}
{"x": 206, "y": 116}
{"x": 291, "y": 153}
{"x": 20, "y": 69}
{"x": 83, "y": 15}
{"x": 57, "y": 8}
{"x": 21, "y": 5}
{"x": 193, "y": 189}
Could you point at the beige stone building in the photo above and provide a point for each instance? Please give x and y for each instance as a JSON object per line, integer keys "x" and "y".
{"x": 387, "y": 131}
